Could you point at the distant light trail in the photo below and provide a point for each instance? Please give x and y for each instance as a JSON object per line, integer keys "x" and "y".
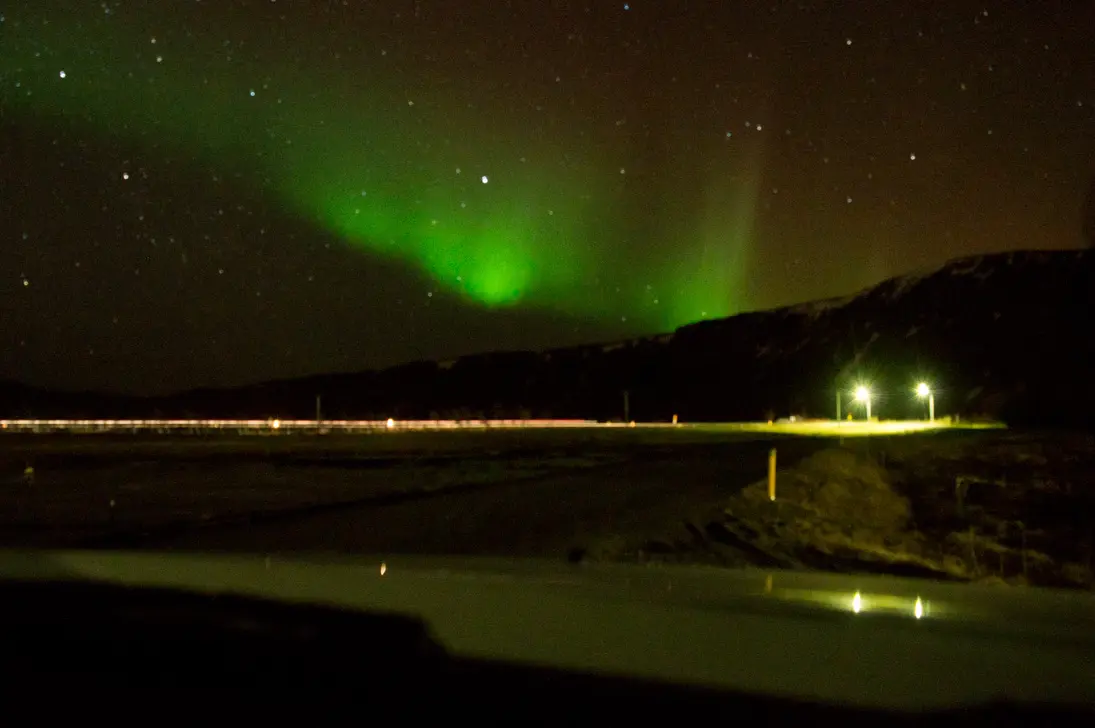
{"x": 280, "y": 426}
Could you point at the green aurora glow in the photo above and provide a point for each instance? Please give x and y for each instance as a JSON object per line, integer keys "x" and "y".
{"x": 397, "y": 176}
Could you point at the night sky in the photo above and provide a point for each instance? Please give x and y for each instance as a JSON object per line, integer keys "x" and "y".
{"x": 219, "y": 192}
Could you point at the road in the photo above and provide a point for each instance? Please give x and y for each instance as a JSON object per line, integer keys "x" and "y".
{"x": 546, "y": 516}
{"x": 485, "y": 491}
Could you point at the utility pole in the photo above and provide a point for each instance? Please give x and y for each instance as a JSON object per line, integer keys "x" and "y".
{"x": 838, "y": 405}
{"x": 627, "y": 406}
{"x": 319, "y": 418}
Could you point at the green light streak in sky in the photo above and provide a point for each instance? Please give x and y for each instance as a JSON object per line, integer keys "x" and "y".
{"x": 497, "y": 256}
{"x": 361, "y": 160}
{"x": 712, "y": 277}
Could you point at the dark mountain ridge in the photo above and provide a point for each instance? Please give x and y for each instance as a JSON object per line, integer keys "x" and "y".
{"x": 1005, "y": 336}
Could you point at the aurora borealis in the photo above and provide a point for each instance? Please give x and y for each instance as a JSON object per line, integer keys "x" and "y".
{"x": 295, "y": 187}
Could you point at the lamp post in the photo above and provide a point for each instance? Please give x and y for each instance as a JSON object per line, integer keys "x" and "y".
{"x": 922, "y": 391}
{"x": 862, "y": 394}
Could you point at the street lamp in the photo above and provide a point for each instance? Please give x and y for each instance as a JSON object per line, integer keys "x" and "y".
{"x": 922, "y": 391}
{"x": 862, "y": 394}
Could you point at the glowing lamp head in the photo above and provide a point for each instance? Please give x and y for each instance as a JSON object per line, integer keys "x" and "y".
{"x": 923, "y": 390}
{"x": 862, "y": 394}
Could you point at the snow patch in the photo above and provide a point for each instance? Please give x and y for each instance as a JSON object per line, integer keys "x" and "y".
{"x": 814, "y": 309}
{"x": 901, "y": 285}
{"x": 965, "y": 266}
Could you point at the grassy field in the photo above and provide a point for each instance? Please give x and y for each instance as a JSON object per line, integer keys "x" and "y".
{"x": 1005, "y": 507}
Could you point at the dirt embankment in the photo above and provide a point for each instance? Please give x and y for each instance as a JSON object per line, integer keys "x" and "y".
{"x": 1013, "y": 509}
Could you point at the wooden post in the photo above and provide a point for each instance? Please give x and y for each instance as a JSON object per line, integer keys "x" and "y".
{"x": 772, "y": 474}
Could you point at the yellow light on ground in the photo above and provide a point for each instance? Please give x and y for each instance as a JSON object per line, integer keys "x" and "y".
{"x": 918, "y": 610}
{"x": 383, "y": 568}
{"x": 923, "y": 390}
{"x": 390, "y": 423}
{"x": 857, "y": 603}
{"x": 276, "y": 424}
